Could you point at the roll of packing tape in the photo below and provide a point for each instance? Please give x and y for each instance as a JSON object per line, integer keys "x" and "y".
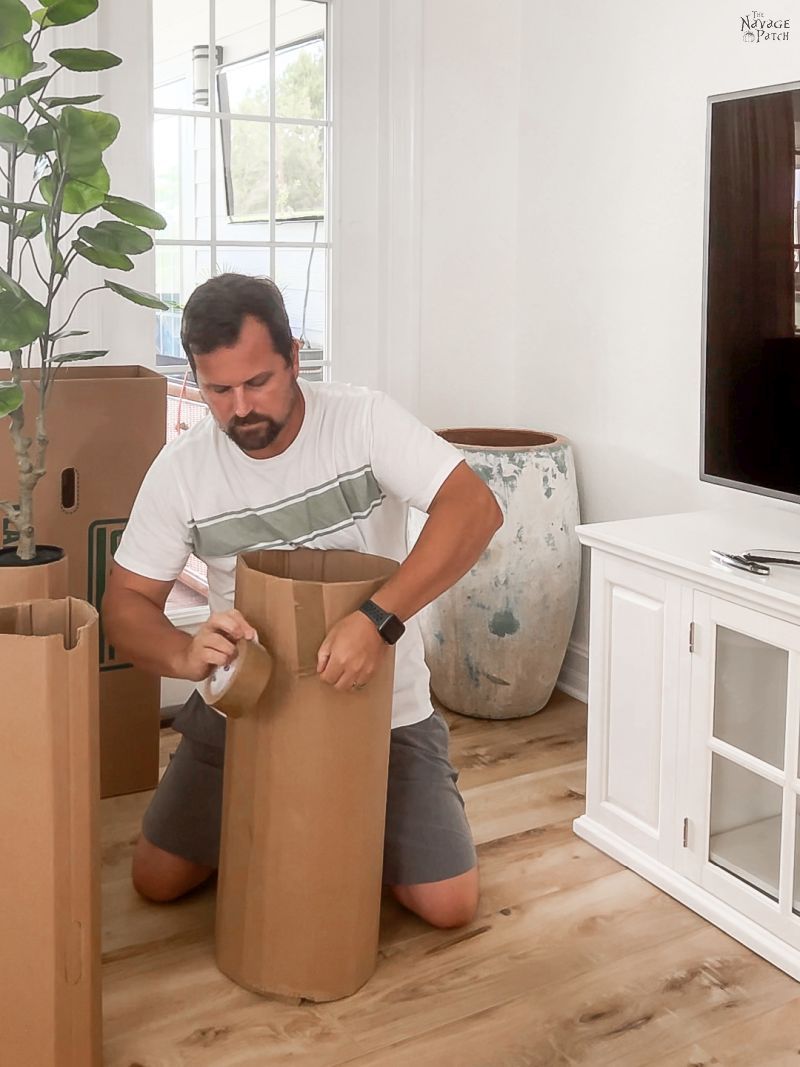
{"x": 236, "y": 689}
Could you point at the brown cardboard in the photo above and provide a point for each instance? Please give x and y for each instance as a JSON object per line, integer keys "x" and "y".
{"x": 47, "y": 581}
{"x": 108, "y": 423}
{"x": 50, "y": 1012}
{"x": 305, "y": 789}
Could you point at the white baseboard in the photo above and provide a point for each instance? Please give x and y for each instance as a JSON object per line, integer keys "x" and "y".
{"x": 574, "y": 677}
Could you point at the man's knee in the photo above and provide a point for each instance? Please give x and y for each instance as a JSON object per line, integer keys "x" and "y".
{"x": 161, "y": 876}
{"x": 447, "y": 904}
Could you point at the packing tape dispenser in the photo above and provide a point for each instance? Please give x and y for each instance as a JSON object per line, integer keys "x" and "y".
{"x": 236, "y": 689}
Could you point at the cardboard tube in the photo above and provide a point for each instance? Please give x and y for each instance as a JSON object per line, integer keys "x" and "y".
{"x": 235, "y": 689}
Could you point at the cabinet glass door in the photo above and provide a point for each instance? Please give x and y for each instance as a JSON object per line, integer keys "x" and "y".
{"x": 744, "y": 760}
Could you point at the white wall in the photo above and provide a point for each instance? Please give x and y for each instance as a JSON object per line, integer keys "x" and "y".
{"x": 470, "y": 169}
{"x": 596, "y": 272}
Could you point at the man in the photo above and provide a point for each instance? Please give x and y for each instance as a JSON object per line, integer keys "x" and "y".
{"x": 282, "y": 463}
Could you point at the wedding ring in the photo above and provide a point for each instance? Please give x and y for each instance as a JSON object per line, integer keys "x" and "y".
{"x": 356, "y": 685}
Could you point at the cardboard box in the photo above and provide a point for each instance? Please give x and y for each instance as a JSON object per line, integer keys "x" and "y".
{"x": 304, "y": 806}
{"x": 106, "y": 426}
{"x": 50, "y": 1011}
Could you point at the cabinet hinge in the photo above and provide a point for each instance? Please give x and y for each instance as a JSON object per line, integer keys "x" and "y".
{"x": 691, "y": 637}
{"x": 685, "y": 833}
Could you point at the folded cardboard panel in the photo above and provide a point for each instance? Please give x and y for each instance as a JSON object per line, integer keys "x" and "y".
{"x": 50, "y": 1012}
{"x": 305, "y": 789}
{"x": 106, "y": 425}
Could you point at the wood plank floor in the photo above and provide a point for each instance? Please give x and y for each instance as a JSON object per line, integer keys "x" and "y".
{"x": 572, "y": 959}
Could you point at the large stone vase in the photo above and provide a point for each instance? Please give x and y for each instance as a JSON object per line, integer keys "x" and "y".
{"x": 495, "y": 642}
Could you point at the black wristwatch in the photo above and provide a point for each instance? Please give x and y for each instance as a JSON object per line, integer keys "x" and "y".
{"x": 389, "y": 626}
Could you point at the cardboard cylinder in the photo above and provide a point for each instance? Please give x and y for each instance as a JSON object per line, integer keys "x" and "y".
{"x": 50, "y": 1012}
{"x": 46, "y": 581}
{"x": 304, "y": 803}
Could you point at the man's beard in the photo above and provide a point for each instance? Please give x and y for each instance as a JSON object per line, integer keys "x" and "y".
{"x": 254, "y": 432}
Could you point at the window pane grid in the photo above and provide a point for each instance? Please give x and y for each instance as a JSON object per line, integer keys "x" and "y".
{"x": 218, "y": 218}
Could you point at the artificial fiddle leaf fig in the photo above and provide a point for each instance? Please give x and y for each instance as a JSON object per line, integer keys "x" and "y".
{"x": 21, "y": 321}
{"x": 80, "y": 194}
{"x": 16, "y": 60}
{"x": 102, "y": 257}
{"x": 41, "y": 139}
{"x": 117, "y": 237}
{"x": 85, "y": 59}
{"x": 11, "y": 397}
{"x": 57, "y": 101}
{"x": 136, "y": 297}
{"x": 14, "y": 96}
{"x": 84, "y": 135}
{"x": 59, "y": 335}
{"x": 31, "y": 224}
{"x": 15, "y": 21}
{"x": 134, "y": 212}
{"x": 64, "y": 12}
{"x": 66, "y": 141}
{"x": 11, "y": 131}
{"x": 73, "y": 357}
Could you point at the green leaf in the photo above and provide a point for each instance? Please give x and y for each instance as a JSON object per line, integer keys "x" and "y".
{"x": 84, "y": 136}
{"x": 8, "y": 284}
{"x": 57, "y": 101}
{"x": 61, "y": 334}
{"x": 64, "y": 12}
{"x": 31, "y": 225}
{"x": 133, "y": 211}
{"x": 102, "y": 257}
{"x": 21, "y": 321}
{"x": 116, "y": 237}
{"x": 72, "y": 357}
{"x": 85, "y": 58}
{"x": 15, "y": 21}
{"x": 11, "y": 397}
{"x": 135, "y": 296}
{"x": 41, "y": 139}
{"x": 11, "y": 131}
{"x": 14, "y": 96}
{"x": 80, "y": 195}
{"x": 16, "y": 60}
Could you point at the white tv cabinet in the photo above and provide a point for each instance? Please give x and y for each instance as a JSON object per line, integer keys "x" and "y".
{"x": 694, "y": 717}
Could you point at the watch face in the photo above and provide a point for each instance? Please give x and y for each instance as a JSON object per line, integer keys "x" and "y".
{"x": 391, "y": 629}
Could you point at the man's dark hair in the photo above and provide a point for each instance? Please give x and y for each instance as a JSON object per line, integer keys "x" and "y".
{"x": 215, "y": 311}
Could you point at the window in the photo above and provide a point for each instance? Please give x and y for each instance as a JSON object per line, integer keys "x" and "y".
{"x": 241, "y": 146}
{"x": 241, "y": 139}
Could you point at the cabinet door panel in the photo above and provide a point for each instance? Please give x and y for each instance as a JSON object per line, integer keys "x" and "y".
{"x": 633, "y": 632}
{"x": 743, "y": 783}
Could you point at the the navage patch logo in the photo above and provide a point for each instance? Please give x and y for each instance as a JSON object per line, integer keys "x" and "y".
{"x": 757, "y": 28}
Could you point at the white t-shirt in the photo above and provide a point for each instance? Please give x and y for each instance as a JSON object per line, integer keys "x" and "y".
{"x": 345, "y": 482}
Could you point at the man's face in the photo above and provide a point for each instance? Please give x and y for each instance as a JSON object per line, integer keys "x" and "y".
{"x": 251, "y": 390}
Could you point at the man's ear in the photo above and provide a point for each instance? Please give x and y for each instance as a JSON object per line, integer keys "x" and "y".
{"x": 296, "y": 356}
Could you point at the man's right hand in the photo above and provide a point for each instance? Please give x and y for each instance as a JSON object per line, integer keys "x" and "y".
{"x": 214, "y": 645}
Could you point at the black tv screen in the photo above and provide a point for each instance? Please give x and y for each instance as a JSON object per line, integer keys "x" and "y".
{"x": 751, "y": 364}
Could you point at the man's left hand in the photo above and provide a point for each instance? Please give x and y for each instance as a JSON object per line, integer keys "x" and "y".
{"x": 351, "y": 653}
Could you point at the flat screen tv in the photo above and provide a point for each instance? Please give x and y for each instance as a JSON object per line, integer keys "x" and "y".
{"x": 750, "y": 435}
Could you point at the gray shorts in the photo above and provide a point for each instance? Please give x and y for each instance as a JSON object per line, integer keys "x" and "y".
{"x": 427, "y": 837}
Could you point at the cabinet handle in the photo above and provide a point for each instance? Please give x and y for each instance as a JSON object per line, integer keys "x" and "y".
{"x": 685, "y": 833}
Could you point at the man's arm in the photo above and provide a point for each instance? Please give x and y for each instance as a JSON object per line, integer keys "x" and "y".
{"x": 462, "y": 519}
{"x": 134, "y": 620}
